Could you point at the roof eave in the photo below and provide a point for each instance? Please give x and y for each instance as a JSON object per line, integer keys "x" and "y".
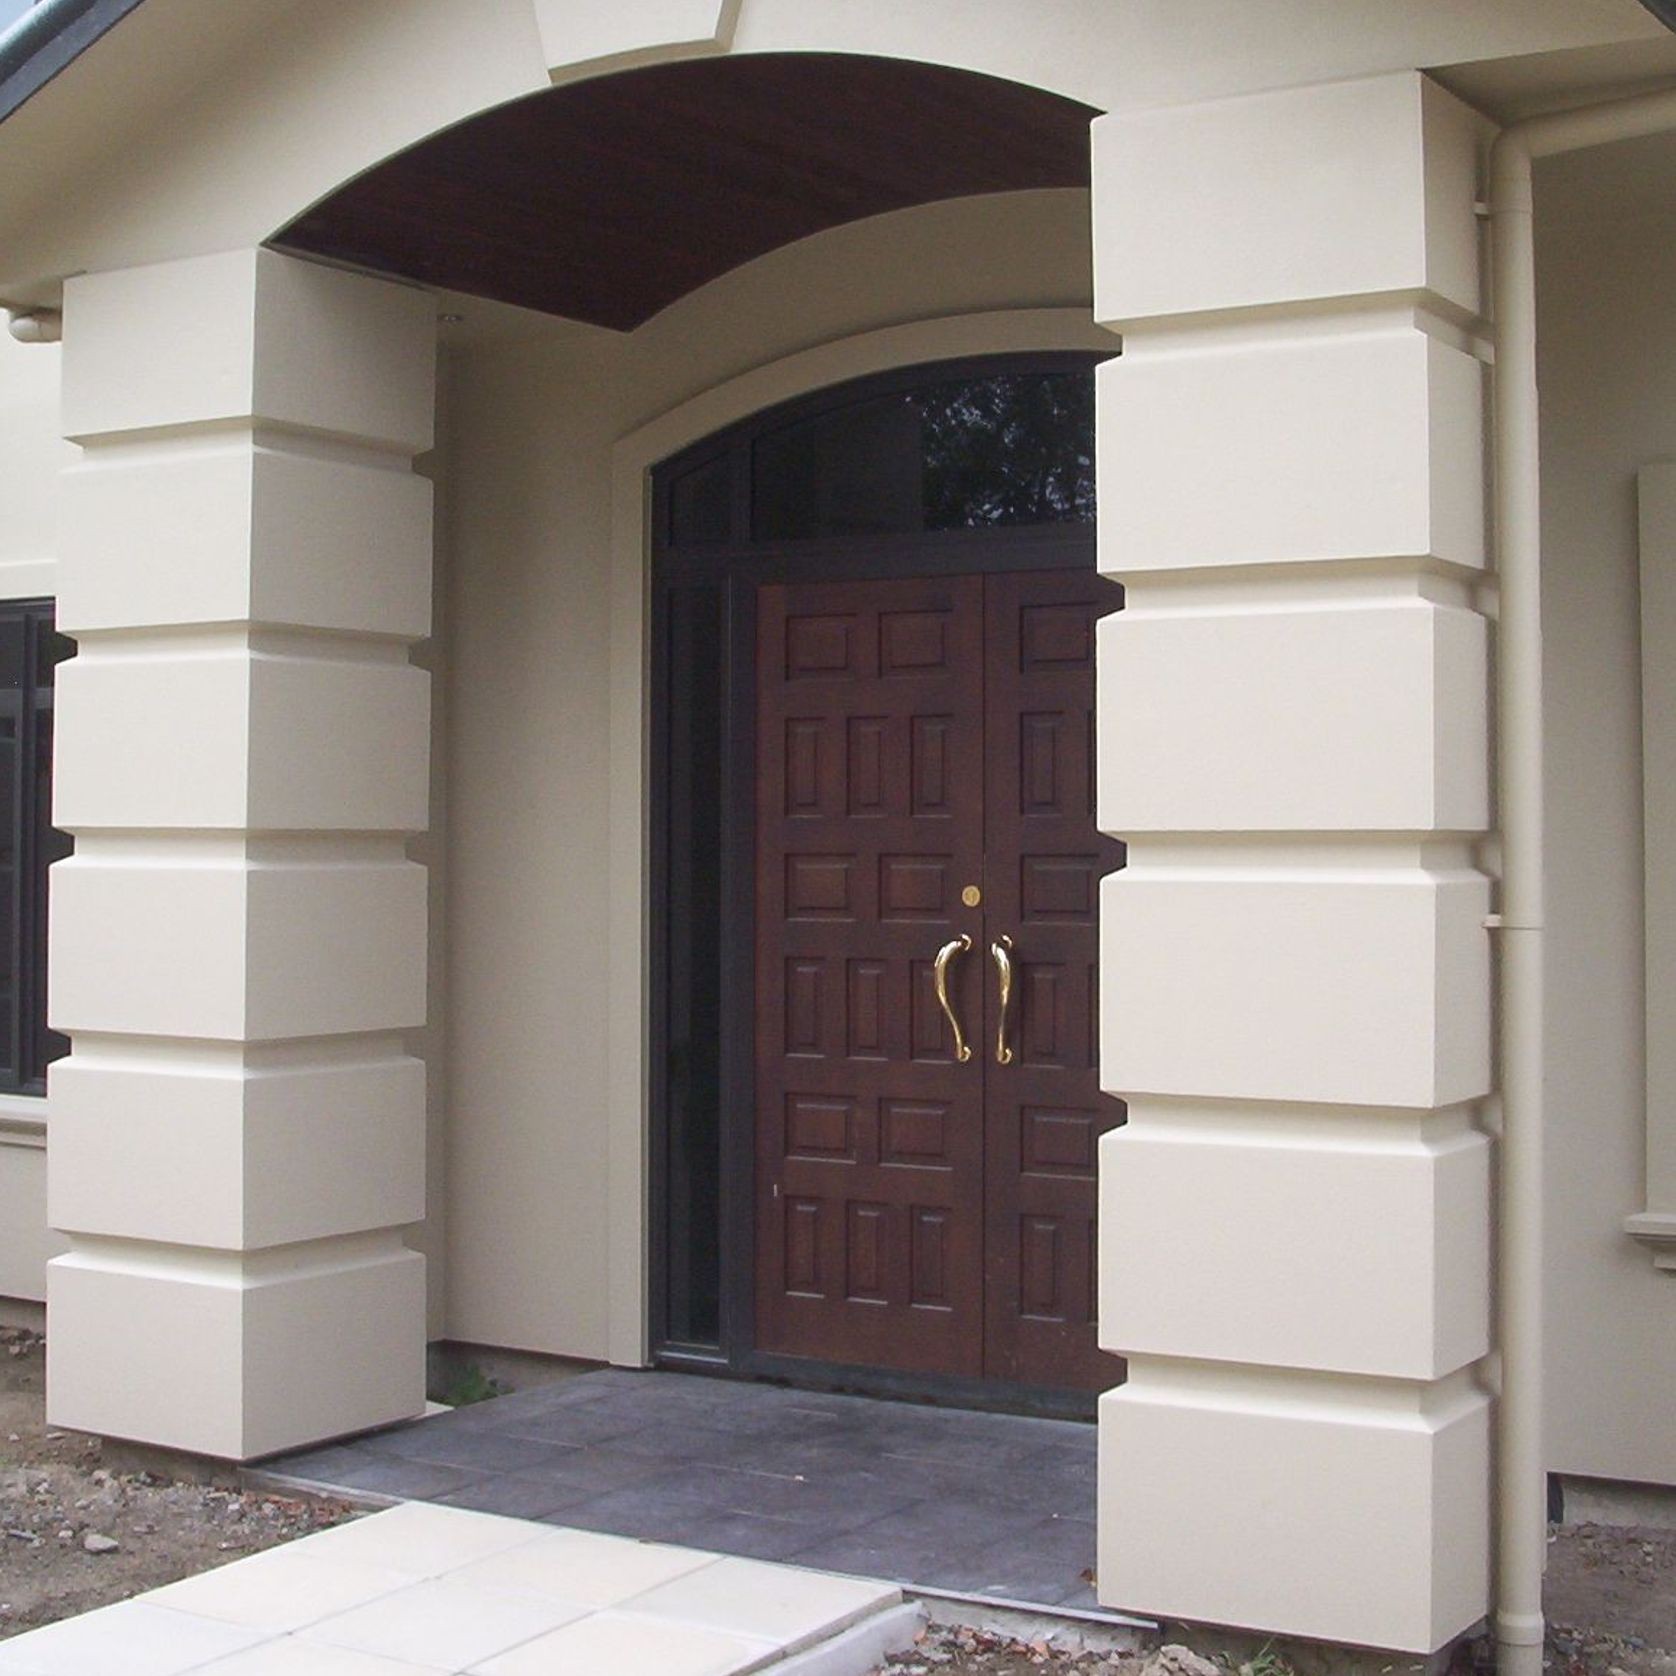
{"x": 48, "y": 37}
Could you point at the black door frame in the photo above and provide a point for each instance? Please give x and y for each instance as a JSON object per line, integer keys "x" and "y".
{"x": 737, "y": 567}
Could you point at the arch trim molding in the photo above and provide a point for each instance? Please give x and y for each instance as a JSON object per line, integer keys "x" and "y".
{"x": 801, "y": 373}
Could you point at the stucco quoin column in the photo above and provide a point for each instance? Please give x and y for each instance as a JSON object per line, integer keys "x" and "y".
{"x": 1294, "y": 1240}
{"x": 239, "y": 940}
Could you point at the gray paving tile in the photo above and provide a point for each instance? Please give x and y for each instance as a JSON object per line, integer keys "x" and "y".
{"x": 878, "y": 1550}
{"x": 592, "y": 1472}
{"x": 1082, "y": 1599}
{"x": 982, "y": 1503}
{"x": 482, "y": 1451}
{"x": 1044, "y": 1562}
{"x": 322, "y": 1465}
{"x": 992, "y": 1453}
{"x": 609, "y": 1382}
{"x": 495, "y": 1412}
{"x": 697, "y": 1446}
{"x": 388, "y": 1475}
{"x": 826, "y": 1508}
{"x": 517, "y": 1498}
{"x": 752, "y": 1536}
{"x": 577, "y": 1423}
{"x": 641, "y": 1510}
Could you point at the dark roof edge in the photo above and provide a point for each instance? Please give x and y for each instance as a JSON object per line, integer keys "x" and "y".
{"x": 46, "y": 38}
{"x": 52, "y": 33}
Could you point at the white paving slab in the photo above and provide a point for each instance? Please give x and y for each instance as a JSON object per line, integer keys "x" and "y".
{"x": 422, "y": 1590}
{"x": 586, "y": 1567}
{"x": 283, "y": 1589}
{"x": 779, "y": 1603}
{"x": 132, "y": 1638}
{"x": 623, "y": 1642}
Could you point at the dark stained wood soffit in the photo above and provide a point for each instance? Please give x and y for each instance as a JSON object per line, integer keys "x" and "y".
{"x": 606, "y": 201}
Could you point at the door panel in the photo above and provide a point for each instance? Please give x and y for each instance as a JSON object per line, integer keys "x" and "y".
{"x": 869, "y": 824}
{"x": 1044, "y": 1112}
{"x": 915, "y": 1212}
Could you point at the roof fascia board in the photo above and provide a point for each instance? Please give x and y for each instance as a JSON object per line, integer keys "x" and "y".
{"x": 46, "y": 39}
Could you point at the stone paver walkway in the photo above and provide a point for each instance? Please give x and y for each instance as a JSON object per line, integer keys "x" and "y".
{"x": 993, "y": 1506}
{"x": 422, "y": 1590}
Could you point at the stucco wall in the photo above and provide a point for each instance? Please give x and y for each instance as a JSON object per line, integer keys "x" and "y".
{"x": 31, "y": 452}
{"x": 535, "y": 419}
{"x": 1609, "y": 395}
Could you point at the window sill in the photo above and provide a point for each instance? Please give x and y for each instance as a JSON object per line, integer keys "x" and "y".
{"x": 23, "y": 1120}
{"x": 1657, "y": 1231}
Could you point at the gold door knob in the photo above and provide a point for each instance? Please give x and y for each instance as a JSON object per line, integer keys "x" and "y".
{"x": 946, "y": 957}
{"x": 1001, "y": 951}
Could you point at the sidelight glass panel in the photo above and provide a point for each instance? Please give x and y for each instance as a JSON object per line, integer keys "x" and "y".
{"x": 692, "y": 1035}
{"x": 1009, "y": 450}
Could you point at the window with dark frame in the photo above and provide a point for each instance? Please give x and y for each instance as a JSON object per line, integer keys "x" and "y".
{"x": 30, "y": 650}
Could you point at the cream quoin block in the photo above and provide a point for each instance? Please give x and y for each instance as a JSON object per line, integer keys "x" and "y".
{"x": 287, "y": 1145}
{"x": 1372, "y": 1486}
{"x": 250, "y": 339}
{"x": 1322, "y": 196}
{"x": 1357, "y": 985}
{"x": 232, "y": 531}
{"x": 244, "y": 706}
{"x": 1275, "y": 716}
{"x": 1371, "y": 1255}
{"x": 1354, "y": 443}
{"x": 306, "y": 1340}
{"x": 239, "y": 940}
{"x": 1295, "y": 967}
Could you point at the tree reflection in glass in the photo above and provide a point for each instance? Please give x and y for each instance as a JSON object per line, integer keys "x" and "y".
{"x": 1012, "y": 449}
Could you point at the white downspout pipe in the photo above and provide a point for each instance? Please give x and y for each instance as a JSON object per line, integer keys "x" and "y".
{"x": 1522, "y": 1495}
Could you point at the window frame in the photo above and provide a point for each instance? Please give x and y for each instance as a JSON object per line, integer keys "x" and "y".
{"x": 735, "y": 565}
{"x": 27, "y": 1045}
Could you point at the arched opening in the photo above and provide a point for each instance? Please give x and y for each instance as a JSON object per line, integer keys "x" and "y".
{"x": 875, "y": 1103}
{"x": 607, "y": 200}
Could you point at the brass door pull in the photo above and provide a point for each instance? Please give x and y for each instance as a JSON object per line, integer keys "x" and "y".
{"x": 940, "y": 979}
{"x": 1001, "y": 950}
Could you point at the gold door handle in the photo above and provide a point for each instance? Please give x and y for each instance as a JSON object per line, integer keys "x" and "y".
{"x": 1001, "y": 950}
{"x": 940, "y": 978}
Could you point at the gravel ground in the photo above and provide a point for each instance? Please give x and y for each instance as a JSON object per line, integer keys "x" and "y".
{"x": 74, "y": 1535}
{"x": 1610, "y": 1597}
{"x": 972, "y": 1652}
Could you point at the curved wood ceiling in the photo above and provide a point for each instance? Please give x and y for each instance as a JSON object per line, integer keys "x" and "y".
{"x": 607, "y": 200}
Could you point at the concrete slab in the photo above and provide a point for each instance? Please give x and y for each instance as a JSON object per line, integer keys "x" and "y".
{"x": 424, "y": 1590}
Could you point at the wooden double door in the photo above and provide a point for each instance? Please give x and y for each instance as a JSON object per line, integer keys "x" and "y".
{"x": 927, "y": 883}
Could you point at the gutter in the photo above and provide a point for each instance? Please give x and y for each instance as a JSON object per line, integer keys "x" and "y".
{"x": 49, "y": 36}
{"x": 1521, "y": 1489}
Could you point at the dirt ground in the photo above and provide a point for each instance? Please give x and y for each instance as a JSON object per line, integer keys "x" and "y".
{"x": 59, "y": 1506}
{"x": 74, "y": 1535}
{"x": 972, "y": 1652}
{"x": 1610, "y": 1597}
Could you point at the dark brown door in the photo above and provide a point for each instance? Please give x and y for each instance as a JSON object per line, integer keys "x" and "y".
{"x": 1044, "y": 859}
{"x": 925, "y": 788}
